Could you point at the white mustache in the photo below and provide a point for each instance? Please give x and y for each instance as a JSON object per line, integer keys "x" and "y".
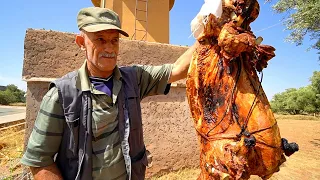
{"x": 107, "y": 55}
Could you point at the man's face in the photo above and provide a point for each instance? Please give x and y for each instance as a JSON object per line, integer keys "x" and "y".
{"x": 101, "y": 49}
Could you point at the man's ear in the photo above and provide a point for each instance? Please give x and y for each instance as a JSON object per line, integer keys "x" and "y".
{"x": 80, "y": 42}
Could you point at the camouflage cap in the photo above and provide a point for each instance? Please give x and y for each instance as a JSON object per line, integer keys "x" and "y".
{"x": 93, "y": 19}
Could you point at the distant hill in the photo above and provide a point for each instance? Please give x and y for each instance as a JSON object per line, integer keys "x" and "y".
{"x": 3, "y": 88}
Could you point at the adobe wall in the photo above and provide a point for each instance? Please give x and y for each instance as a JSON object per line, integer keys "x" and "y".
{"x": 168, "y": 128}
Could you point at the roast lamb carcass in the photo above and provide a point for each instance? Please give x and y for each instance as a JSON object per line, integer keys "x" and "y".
{"x": 237, "y": 130}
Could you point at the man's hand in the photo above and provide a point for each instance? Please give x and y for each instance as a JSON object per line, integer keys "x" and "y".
{"x": 48, "y": 173}
{"x": 181, "y": 66}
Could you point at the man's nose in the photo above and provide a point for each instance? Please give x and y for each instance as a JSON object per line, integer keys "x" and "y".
{"x": 108, "y": 47}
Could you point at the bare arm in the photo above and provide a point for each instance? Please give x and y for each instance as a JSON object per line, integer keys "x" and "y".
{"x": 181, "y": 66}
{"x": 48, "y": 172}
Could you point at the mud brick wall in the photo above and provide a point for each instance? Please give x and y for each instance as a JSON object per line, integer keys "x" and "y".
{"x": 168, "y": 129}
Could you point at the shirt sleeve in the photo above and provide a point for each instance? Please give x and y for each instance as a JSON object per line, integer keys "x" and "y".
{"x": 46, "y": 135}
{"x": 153, "y": 80}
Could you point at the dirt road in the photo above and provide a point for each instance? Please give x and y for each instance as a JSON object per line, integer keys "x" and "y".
{"x": 304, "y": 164}
{"x": 10, "y": 114}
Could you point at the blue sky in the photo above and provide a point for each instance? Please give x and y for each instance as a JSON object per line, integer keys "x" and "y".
{"x": 291, "y": 68}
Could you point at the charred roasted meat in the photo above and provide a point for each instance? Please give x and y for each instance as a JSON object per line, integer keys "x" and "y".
{"x": 237, "y": 131}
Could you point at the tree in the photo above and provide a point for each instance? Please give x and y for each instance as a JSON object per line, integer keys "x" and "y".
{"x": 315, "y": 84}
{"x": 19, "y": 94}
{"x": 302, "y": 100}
{"x": 285, "y": 102}
{"x": 12, "y": 95}
{"x": 307, "y": 100}
{"x": 277, "y": 103}
{"x": 6, "y": 97}
{"x": 303, "y": 18}
{"x": 315, "y": 81}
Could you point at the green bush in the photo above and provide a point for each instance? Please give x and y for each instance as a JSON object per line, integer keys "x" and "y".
{"x": 12, "y": 95}
{"x": 19, "y": 94}
{"x": 7, "y": 97}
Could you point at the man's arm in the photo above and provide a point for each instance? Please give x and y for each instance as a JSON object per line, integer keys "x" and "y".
{"x": 50, "y": 172}
{"x": 181, "y": 66}
{"x": 45, "y": 138}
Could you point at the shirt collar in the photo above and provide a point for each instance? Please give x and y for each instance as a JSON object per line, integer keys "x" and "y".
{"x": 83, "y": 83}
{"x": 117, "y": 73}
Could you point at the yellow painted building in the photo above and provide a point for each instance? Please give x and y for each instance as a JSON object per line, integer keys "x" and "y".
{"x": 142, "y": 19}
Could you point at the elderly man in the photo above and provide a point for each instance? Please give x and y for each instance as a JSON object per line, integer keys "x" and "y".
{"x": 89, "y": 125}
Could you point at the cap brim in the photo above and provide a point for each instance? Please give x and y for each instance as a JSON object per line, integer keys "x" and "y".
{"x": 102, "y": 27}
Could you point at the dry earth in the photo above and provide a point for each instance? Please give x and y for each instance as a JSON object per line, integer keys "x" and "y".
{"x": 303, "y": 165}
